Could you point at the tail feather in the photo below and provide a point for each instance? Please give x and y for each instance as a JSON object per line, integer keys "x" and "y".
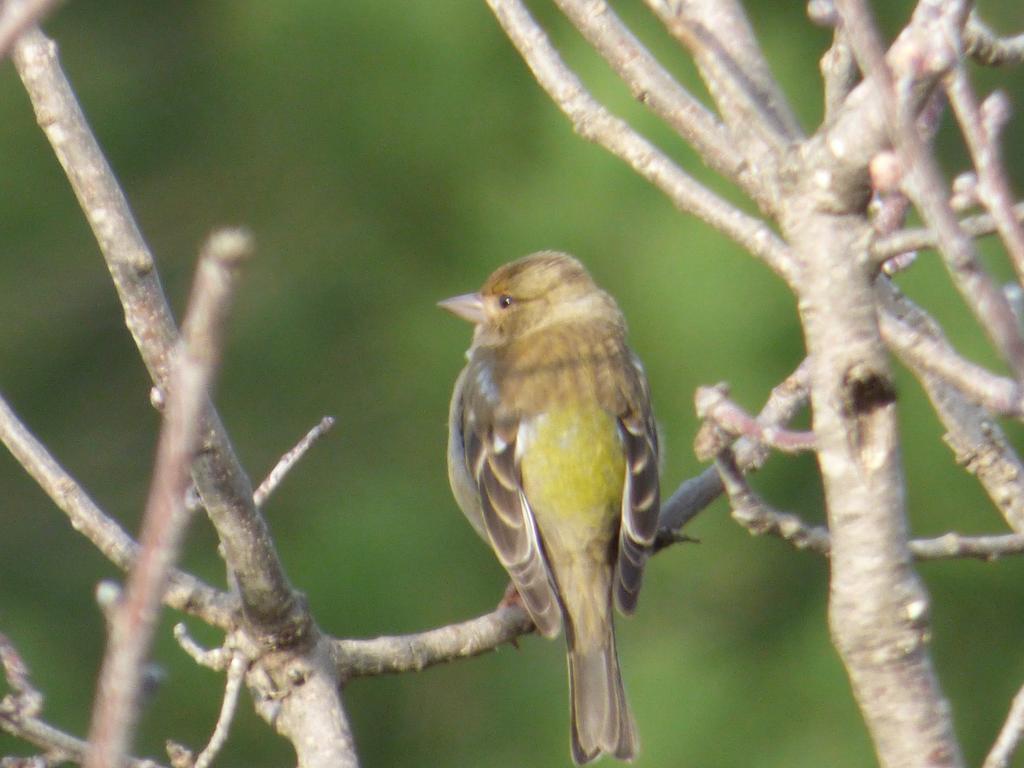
{"x": 601, "y": 720}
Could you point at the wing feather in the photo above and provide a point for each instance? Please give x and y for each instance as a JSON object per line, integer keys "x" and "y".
{"x": 640, "y": 499}
{"x": 510, "y": 525}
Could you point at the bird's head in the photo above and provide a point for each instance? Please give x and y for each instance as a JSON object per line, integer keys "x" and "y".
{"x": 534, "y": 292}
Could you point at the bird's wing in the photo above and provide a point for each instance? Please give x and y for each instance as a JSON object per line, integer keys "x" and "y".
{"x": 511, "y": 528}
{"x": 640, "y": 498}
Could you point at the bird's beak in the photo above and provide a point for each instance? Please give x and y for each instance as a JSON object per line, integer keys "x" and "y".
{"x": 468, "y": 306}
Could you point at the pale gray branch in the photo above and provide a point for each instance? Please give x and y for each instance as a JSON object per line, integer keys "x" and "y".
{"x": 267, "y": 598}
{"x": 1008, "y": 741}
{"x": 184, "y": 592}
{"x": 957, "y": 546}
{"x": 839, "y": 73}
{"x": 289, "y": 460}
{"x": 878, "y": 607}
{"x": 16, "y": 16}
{"x": 695, "y": 494}
{"x": 655, "y": 87}
{"x": 978, "y": 442}
{"x": 986, "y": 47}
{"x": 20, "y": 710}
{"x": 929, "y": 32}
{"x": 982, "y": 138}
{"x": 718, "y": 35}
{"x": 726, "y": 421}
{"x": 412, "y": 653}
{"x": 166, "y": 516}
{"x": 887, "y": 246}
{"x": 300, "y": 697}
{"x": 595, "y": 123}
{"x": 232, "y": 690}
{"x": 924, "y": 348}
{"x": 751, "y": 511}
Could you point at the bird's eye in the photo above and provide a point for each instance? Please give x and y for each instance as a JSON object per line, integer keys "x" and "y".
{"x": 504, "y": 301}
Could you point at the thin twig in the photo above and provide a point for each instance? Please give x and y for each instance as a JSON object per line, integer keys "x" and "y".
{"x": 20, "y": 709}
{"x": 718, "y": 35}
{"x": 957, "y": 546}
{"x": 595, "y": 123}
{"x": 655, "y": 87}
{"x": 697, "y": 493}
{"x": 286, "y": 462}
{"x": 729, "y": 421}
{"x": 750, "y": 511}
{"x": 976, "y": 438}
{"x": 45, "y": 736}
{"x": 166, "y": 516}
{"x": 986, "y": 47}
{"x": 268, "y": 600}
{"x": 839, "y": 73}
{"x": 754, "y": 514}
{"x": 29, "y": 699}
{"x": 926, "y": 185}
{"x": 887, "y": 246}
{"x": 405, "y": 653}
{"x": 183, "y": 592}
{"x": 232, "y": 689}
{"x": 887, "y": 177}
{"x": 212, "y": 658}
{"x": 931, "y": 352}
{"x": 16, "y": 16}
{"x": 982, "y": 138}
{"x": 1006, "y": 743}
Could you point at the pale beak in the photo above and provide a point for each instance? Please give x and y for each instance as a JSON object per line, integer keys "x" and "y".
{"x": 468, "y": 306}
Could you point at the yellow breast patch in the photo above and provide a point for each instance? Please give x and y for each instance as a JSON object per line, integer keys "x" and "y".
{"x": 572, "y": 465}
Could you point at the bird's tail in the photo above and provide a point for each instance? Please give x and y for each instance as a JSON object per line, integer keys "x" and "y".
{"x": 601, "y": 720}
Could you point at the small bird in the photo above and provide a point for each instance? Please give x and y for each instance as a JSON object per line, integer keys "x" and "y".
{"x": 553, "y": 457}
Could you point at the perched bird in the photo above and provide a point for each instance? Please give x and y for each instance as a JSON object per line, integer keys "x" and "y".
{"x": 553, "y": 457}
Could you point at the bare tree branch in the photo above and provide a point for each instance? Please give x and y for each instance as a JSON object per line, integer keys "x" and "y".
{"x": 235, "y": 677}
{"x": 300, "y": 697}
{"x": 887, "y": 246}
{"x": 295, "y": 687}
{"x": 751, "y": 511}
{"x": 976, "y": 439}
{"x": 289, "y": 460}
{"x": 1008, "y": 741}
{"x": 878, "y": 607}
{"x": 16, "y": 16}
{"x": 405, "y": 653}
{"x": 727, "y": 420}
{"x": 214, "y": 658}
{"x": 595, "y": 123}
{"x": 955, "y": 545}
{"x": 718, "y": 35}
{"x": 652, "y": 84}
{"x": 985, "y": 47}
{"x": 166, "y": 516}
{"x": 697, "y": 493}
{"x": 839, "y": 72}
{"x": 267, "y": 598}
{"x": 923, "y": 347}
{"x": 184, "y": 592}
{"x": 929, "y": 32}
{"x": 20, "y": 709}
{"x": 980, "y": 125}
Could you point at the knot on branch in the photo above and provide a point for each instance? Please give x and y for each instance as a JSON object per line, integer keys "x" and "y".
{"x": 865, "y": 390}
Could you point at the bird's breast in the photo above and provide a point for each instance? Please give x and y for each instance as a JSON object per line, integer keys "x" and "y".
{"x": 572, "y": 467}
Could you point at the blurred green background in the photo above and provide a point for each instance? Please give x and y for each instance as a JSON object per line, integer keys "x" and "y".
{"x": 387, "y": 155}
